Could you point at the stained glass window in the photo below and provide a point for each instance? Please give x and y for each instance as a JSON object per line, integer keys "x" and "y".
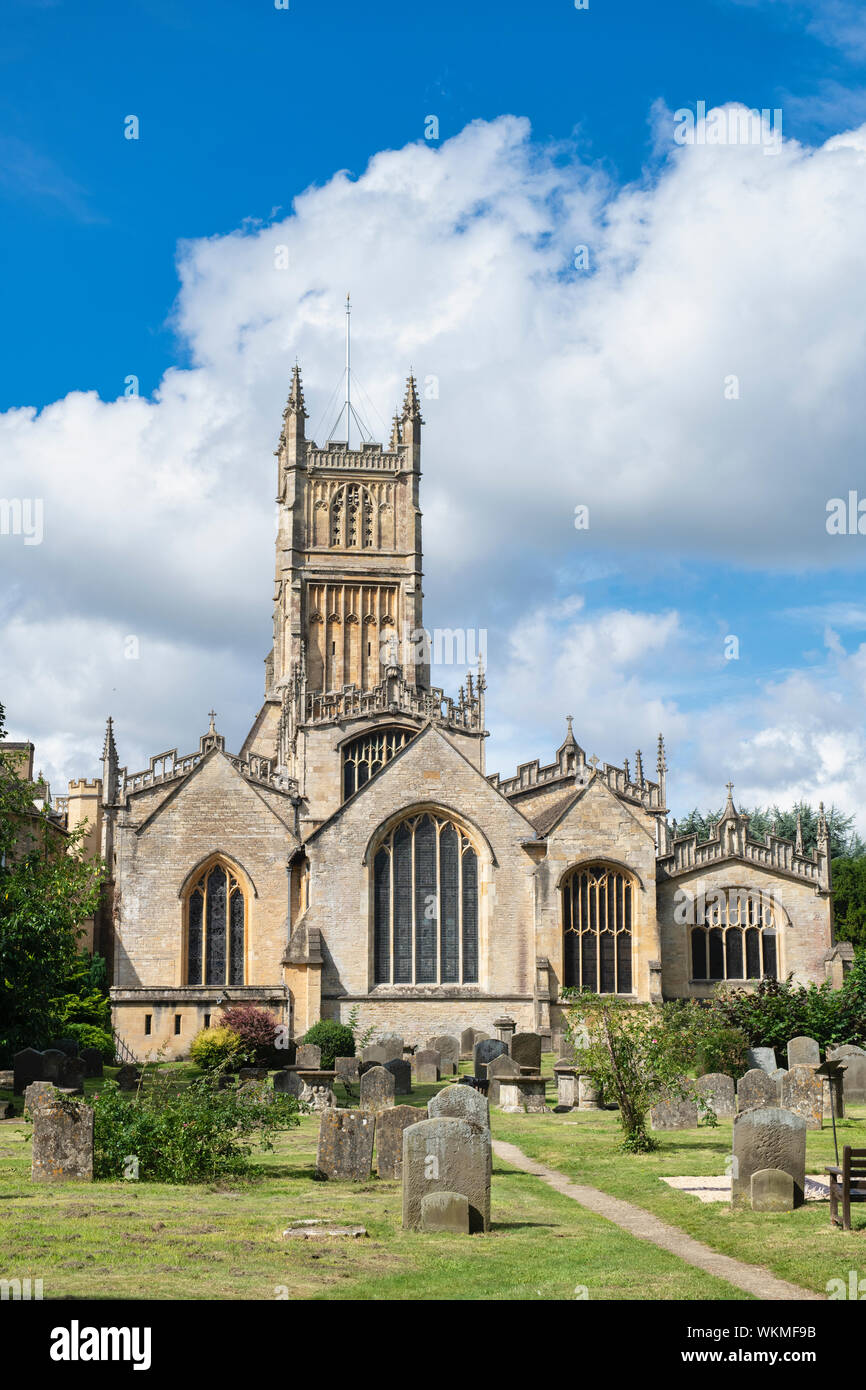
{"x": 216, "y": 928}
{"x": 597, "y": 936}
{"x": 737, "y": 938}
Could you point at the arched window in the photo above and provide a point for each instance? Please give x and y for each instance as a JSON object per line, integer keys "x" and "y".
{"x": 737, "y": 938}
{"x": 216, "y": 918}
{"x": 597, "y": 930}
{"x": 425, "y": 904}
{"x": 366, "y": 754}
{"x": 352, "y": 517}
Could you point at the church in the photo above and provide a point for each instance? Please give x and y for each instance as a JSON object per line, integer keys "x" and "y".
{"x": 355, "y": 857}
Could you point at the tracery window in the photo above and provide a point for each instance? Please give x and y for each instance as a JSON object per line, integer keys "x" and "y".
{"x": 425, "y": 904}
{"x": 216, "y": 915}
{"x": 737, "y": 939}
{"x": 352, "y": 517}
{"x": 597, "y": 930}
{"x": 366, "y": 754}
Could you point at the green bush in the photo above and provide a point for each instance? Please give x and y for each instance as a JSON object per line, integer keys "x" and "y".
{"x": 188, "y": 1133}
{"x": 335, "y": 1040}
{"x": 212, "y": 1048}
{"x": 88, "y": 1035}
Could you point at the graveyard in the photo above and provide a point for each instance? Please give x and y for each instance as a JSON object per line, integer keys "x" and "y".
{"x": 327, "y": 1213}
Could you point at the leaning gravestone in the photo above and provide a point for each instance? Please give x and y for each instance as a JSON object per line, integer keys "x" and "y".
{"x": 92, "y": 1059}
{"x": 772, "y": 1190}
{"x": 62, "y": 1141}
{"x": 446, "y": 1155}
{"x": 308, "y": 1057}
{"x": 345, "y": 1148}
{"x": 499, "y": 1070}
{"x": 288, "y": 1083}
{"x": 719, "y": 1093}
{"x": 768, "y": 1138}
{"x": 484, "y": 1052}
{"x": 445, "y": 1211}
{"x": 674, "y": 1112}
{"x": 402, "y": 1074}
{"x": 390, "y": 1125}
{"x": 803, "y": 1092}
{"x": 447, "y": 1046}
{"x": 757, "y": 1087}
{"x": 763, "y": 1058}
{"x": 392, "y": 1044}
{"x": 27, "y": 1066}
{"x": 460, "y": 1103}
{"x": 52, "y": 1065}
{"x": 425, "y": 1065}
{"x": 854, "y": 1075}
{"x": 803, "y": 1052}
{"x": 377, "y": 1089}
{"x": 526, "y": 1050}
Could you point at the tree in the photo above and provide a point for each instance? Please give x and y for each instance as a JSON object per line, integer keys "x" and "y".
{"x": 47, "y": 888}
{"x": 849, "y": 900}
{"x": 844, "y": 840}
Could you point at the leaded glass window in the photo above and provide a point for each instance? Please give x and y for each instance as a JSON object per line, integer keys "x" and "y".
{"x": 365, "y": 755}
{"x": 597, "y": 930}
{"x": 425, "y": 904}
{"x": 216, "y": 928}
{"x": 737, "y": 938}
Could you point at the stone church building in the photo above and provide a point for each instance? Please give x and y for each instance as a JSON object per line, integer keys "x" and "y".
{"x": 354, "y": 854}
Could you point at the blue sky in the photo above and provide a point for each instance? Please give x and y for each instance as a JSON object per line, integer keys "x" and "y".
{"x": 143, "y": 257}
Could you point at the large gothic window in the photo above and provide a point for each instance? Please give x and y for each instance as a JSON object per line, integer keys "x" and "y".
{"x": 737, "y": 938}
{"x": 597, "y": 930}
{"x": 425, "y": 904}
{"x": 352, "y": 517}
{"x": 366, "y": 754}
{"x": 215, "y": 928}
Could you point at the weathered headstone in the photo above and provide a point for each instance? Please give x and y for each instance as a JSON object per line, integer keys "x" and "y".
{"x": 392, "y": 1045}
{"x": 7, "y": 1080}
{"x": 565, "y": 1075}
{"x": 345, "y": 1148}
{"x": 589, "y": 1094}
{"x": 772, "y": 1190}
{"x": 497, "y": 1071}
{"x": 854, "y": 1075}
{"x": 128, "y": 1077}
{"x": 376, "y": 1054}
{"x": 762, "y": 1058}
{"x": 803, "y": 1052}
{"x": 377, "y": 1089}
{"x": 526, "y": 1050}
{"x": 460, "y": 1103}
{"x": 803, "y": 1092}
{"x": 674, "y": 1112}
{"x": 39, "y": 1093}
{"x": 52, "y": 1065}
{"x": 768, "y": 1137}
{"x": 402, "y": 1074}
{"x": 253, "y": 1074}
{"x": 447, "y": 1046}
{"x": 347, "y": 1070}
{"x": 390, "y": 1125}
{"x": 308, "y": 1057}
{"x": 72, "y": 1073}
{"x": 720, "y": 1094}
{"x": 288, "y": 1083}
{"x": 62, "y": 1141}
{"x": 484, "y": 1052}
{"x": 468, "y": 1039}
{"x": 27, "y": 1067}
{"x": 7, "y": 1108}
{"x": 425, "y": 1065}
{"x": 445, "y": 1211}
{"x": 756, "y": 1088}
{"x": 447, "y": 1155}
{"x": 92, "y": 1059}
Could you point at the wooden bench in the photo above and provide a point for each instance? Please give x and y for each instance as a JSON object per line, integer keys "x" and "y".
{"x": 849, "y": 1182}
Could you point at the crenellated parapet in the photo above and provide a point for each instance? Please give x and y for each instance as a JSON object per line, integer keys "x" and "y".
{"x": 571, "y": 766}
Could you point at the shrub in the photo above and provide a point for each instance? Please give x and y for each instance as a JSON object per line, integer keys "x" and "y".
{"x": 216, "y": 1047}
{"x": 88, "y": 1035}
{"x": 335, "y": 1040}
{"x": 181, "y": 1134}
{"x": 257, "y": 1030}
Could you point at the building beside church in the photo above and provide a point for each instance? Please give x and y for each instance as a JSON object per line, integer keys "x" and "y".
{"x": 355, "y": 855}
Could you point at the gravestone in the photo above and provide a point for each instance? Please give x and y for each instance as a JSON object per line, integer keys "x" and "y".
{"x": 345, "y": 1148}
{"x": 390, "y": 1125}
{"x": 526, "y": 1050}
{"x": 288, "y": 1083}
{"x": 392, "y": 1045}
{"x": 772, "y": 1190}
{"x": 674, "y": 1112}
{"x": 768, "y": 1137}
{"x": 253, "y": 1074}
{"x": 128, "y": 1077}
{"x": 375, "y": 1055}
{"x": 719, "y": 1092}
{"x": 484, "y": 1052}
{"x": 468, "y": 1039}
{"x": 460, "y": 1103}
{"x": 834, "y": 1097}
{"x": 854, "y": 1075}
{"x": 777, "y": 1077}
{"x": 447, "y": 1046}
{"x": 497, "y": 1071}
{"x": 402, "y": 1074}
{"x": 425, "y": 1065}
{"x": 756, "y": 1088}
{"x": 92, "y": 1059}
{"x": 447, "y": 1155}
{"x": 803, "y": 1092}
{"x": 565, "y": 1075}
{"x": 505, "y": 1028}
{"x": 803, "y": 1052}
{"x": 38, "y": 1093}
{"x": 347, "y": 1070}
{"x": 377, "y": 1089}
{"x": 52, "y": 1065}
{"x": 589, "y": 1094}
{"x": 72, "y": 1073}
{"x": 7, "y": 1108}
{"x": 445, "y": 1211}
{"x": 62, "y": 1141}
{"x": 523, "y": 1094}
{"x": 762, "y": 1058}
{"x": 7, "y": 1081}
{"x": 27, "y": 1067}
{"x": 308, "y": 1057}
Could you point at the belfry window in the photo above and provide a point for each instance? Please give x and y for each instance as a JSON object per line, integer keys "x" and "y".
{"x": 597, "y": 930}
{"x": 366, "y": 754}
{"x": 216, "y": 915}
{"x": 737, "y": 938}
{"x": 425, "y": 904}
